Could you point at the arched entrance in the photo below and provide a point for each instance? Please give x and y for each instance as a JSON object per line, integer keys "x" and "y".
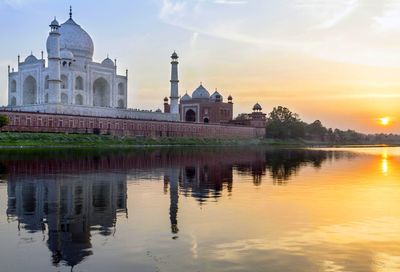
{"x": 13, "y": 101}
{"x": 206, "y": 120}
{"x": 29, "y": 91}
{"x": 190, "y": 116}
{"x": 101, "y": 93}
{"x": 79, "y": 99}
{"x": 64, "y": 98}
{"x": 121, "y": 104}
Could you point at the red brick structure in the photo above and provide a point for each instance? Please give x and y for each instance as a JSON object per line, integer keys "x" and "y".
{"x": 59, "y": 123}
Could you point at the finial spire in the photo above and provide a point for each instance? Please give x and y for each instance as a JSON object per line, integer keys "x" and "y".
{"x": 70, "y": 12}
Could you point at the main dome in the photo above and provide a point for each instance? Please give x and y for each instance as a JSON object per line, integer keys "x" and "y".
{"x": 76, "y": 40}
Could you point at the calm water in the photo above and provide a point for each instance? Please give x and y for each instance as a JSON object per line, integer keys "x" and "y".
{"x": 233, "y": 209}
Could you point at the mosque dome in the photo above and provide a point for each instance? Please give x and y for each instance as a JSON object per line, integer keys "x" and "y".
{"x": 75, "y": 39}
{"x": 216, "y": 96}
{"x": 30, "y": 59}
{"x": 66, "y": 54}
{"x": 107, "y": 62}
{"x": 257, "y": 107}
{"x": 186, "y": 97}
{"x": 201, "y": 92}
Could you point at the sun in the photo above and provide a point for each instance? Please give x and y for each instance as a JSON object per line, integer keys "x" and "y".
{"x": 384, "y": 121}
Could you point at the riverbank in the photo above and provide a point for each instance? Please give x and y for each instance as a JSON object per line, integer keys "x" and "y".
{"x": 16, "y": 139}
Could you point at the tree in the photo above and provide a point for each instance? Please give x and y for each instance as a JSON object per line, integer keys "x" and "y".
{"x": 3, "y": 120}
{"x": 316, "y": 130}
{"x": 282, "y": 123}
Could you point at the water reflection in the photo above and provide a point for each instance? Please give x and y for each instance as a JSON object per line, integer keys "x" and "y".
{"x": 67, "y": 209}
{"x": 68, "y": 195}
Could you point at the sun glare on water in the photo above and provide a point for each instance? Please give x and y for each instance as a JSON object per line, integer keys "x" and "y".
{"x": 384, "y": 121}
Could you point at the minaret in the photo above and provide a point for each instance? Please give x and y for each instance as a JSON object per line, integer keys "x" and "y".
{"x": 174, "y": 84}
{"x": 53, "y": 54}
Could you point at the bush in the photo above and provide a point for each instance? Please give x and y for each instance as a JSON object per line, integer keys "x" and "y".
{"x": 3, "y": 120}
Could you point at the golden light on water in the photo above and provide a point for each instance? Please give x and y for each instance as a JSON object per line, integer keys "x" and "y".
{"x": 385, "y": 163}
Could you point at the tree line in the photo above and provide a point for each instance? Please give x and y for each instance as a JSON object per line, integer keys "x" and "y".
{"x": 285, "y": 124}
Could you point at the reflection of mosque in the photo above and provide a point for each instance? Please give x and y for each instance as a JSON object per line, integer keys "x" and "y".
{"x": 68, "y": 209}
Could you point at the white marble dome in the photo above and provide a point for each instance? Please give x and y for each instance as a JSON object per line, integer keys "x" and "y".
{"x": 201, "y": 92}
{"x": 66, "y": 54}
{"x": 76, "y": 40}
{"x": 107, "y": 62}
{"x": 31, "y": 59}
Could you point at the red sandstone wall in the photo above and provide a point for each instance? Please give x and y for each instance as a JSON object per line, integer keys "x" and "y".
{"x": 42, "y": 122}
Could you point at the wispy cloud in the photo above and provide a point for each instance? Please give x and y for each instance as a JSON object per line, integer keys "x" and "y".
{"x": 231, "y": 2}
{"x": 170, "y": 7}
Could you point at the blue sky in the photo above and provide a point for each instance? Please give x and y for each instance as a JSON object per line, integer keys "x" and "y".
{"x": 309, "y": 55}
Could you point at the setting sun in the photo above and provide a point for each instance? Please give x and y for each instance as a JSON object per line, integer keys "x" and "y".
{"x": 384, "y": 121}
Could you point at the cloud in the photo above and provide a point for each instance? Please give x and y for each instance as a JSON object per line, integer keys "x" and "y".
{"x": 390, "y": 19}
{"x": 348, "y": 8}
{"x": 231, "y": 2}
{"x": 171, "y": 8}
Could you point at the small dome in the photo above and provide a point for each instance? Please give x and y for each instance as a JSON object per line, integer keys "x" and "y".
{"x": 66, "y": 54}
{"x": 174, "y": 55}
{"x": 257, "y": 107}
{"x": 158, "y": 110}
{"x": 216, "y": 96}
{"x": 186, "y": 97}
{"x": 31, "y": 59}
{"x": 107, "y": 62}
{"x": 230, "y": 97}
{"x": 54, "y": 23}
{"x": 201, "y": 92}
{"x": 165, "y": 99}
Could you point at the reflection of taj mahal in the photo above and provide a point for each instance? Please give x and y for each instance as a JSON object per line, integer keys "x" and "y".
{"x": 69, "y": 209}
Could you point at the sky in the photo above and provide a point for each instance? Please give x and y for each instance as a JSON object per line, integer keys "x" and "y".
{"x": 336, "y": 61}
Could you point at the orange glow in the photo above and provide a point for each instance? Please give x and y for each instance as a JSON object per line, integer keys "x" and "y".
{"x": 384, "y": 121}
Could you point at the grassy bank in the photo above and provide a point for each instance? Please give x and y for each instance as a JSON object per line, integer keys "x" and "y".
{"x": 12, "y": 139}
{"x": 15, "y": 139}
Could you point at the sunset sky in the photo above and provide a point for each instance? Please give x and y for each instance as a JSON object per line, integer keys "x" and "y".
{"x": 337, "y": 61}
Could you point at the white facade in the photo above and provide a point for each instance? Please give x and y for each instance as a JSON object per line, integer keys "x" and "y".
{"x": 72, "y": 81}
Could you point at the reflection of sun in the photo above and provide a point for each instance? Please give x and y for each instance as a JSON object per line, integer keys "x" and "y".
{"x": 384, "y": 121}
{"x": 385, "y": 163}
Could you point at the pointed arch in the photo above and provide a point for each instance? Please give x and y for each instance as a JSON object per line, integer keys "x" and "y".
{"x": 29, "y": 93}
{"x": 101, "y": 93}
{"x": 64, "y": 82}
{"x": 13, "y": 101}
{"x": 13, "y": 86}
{"x": 121, "y": 89}
{"x": 46, "y": 82}
{"x": 79, "y": 99}
{"x": 79, "y": 83}
{"x": 121, "y": 104}
{"x": 64, "y": 98}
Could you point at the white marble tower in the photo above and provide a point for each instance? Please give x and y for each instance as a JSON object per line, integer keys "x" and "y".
{"x": 174, "y": 84}
{"x": 53, "y": 52}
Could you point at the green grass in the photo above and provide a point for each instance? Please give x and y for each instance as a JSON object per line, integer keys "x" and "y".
{"x": 13, "y": 139}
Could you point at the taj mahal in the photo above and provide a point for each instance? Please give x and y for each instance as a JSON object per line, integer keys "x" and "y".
{"x": 70, "y": 83}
